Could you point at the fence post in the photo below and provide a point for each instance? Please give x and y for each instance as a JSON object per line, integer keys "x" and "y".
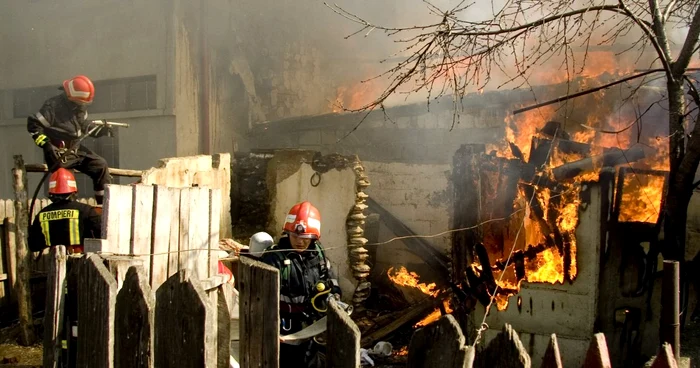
{"x": 259, "y": 287}
{"x": 597, "y": 355}
{"x": 135, "y": 308}
{"x": 55, "y": 299}
{"x": 505, "y": 350}
{"x": 24, "y": 301}
{"x": 552, "y": 357}
{"x": 223, "y": 328}
{"x": 97, "y": 297}
{"x": 185, "y": 324}
{"x": 10, "y": 251}
{"x": 343, "y": 339}
{"x": 440, "y": 345}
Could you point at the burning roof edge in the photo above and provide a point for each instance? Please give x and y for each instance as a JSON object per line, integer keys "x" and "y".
{"x": 350, "y": 119}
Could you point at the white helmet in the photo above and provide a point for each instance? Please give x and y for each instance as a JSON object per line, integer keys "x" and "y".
{"x": 258, "y": 243}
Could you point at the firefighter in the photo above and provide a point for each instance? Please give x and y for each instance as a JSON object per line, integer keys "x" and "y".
{"x": 64, "y": 221}
{"x": 305, "y": 273}
{"x": 60, "y": 122}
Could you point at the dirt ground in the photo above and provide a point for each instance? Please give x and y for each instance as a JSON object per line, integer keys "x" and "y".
{"x": 690, "y": 343}
{"x": 14, "y": 355}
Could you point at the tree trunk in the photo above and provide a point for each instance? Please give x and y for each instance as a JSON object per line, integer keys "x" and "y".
{"x": 684, "y": 162}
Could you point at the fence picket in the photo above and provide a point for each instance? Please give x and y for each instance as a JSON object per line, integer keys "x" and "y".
{"x": 184, "y": 221}
{"x": 214, "y": 230}
{"x": 116, "y": 225}
{"x": 134, "y": 328}
{"x": 198, "y": 256}
{"x": 552, "y": 358}
{"x": 259, "y": 325}
{"x": 141, "y": 224}
{"x": 97, "y": 296}
{"x": 185, "y": 334}
{"x": 343, "y": 338}
{"x": 223, "y": 327}
{"x": 597, "y": 355}
{"x": 505, "y": 350}
{"x": 55, "y": 303}
{"x": 440, "y": 345}
{"x": 174, "y": 254}
{"x": 162, "y": 209}
{"x": 665, "y": 358}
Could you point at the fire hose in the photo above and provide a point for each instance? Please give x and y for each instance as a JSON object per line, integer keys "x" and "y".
{"x": 97, "y": 126}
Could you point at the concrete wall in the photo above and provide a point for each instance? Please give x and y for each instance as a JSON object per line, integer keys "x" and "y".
{"x": 288, "y": 179}
{"x": 422, "y": 202}
{"x": 105, "y": 40}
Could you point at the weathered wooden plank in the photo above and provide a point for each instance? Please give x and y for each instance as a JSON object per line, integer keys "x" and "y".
{"x": 440, "y": 344}
{"x": 552, "y": 358}
{"x": 91, "y": 245}
{"x": 97, "y": 298}
{"x": 198, "y": 255}
{"x": 162, "y": 215}
{"x": 214, "y": 230}
{"x": 55, "y": 303}
{"x": 505, "y": 350}
{"x": 597, "y": 355}
{"x": 10, "y": 208}
{"x": 184, "y": 324}
{"x": 119, "y": 266}
{"x": 665, "y": 358}
{"x": 4, "y": 285}
{"x": 116, "y": 225}
{"x": 10, "y": 256}
{"x": 22, "y": 254}
{"x": 142, "y": 223}
{"x": 183, "y": 250}
{"x": 2, "y": 209}
{"x": 174, "y": 252}
{"x": 134, "y": 328}
{"x": 259, "y": 326}
{"x": 343, "y": 338}
{"x": 223, "y": 327}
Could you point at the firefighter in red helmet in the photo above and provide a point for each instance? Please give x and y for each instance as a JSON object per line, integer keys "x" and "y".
{"x": 60, "y": 122}
{"x": 65, "y": 221}
{"x": 305, "y": 273}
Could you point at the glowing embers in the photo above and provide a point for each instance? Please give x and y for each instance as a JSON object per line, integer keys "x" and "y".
{"x": 411, "y": 279}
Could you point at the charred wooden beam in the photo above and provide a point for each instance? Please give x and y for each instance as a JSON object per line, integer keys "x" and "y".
{"x": 587, "y": 165}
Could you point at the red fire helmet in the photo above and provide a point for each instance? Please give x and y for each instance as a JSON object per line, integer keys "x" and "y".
{"x": 79, "y": 89}
{"x": 304, "y": 220}
{"x": 62, "y": 181}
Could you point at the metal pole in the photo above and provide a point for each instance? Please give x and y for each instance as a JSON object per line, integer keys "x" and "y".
{"x": 670, "y": 307}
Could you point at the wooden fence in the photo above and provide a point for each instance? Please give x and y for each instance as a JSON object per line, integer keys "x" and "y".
{"x": 440, "y": 344}
{"x": 182, "y": 323}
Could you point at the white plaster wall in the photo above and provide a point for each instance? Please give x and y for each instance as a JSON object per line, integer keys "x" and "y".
{"x": 418, "y": 195}
{"x": 334, "y": 197}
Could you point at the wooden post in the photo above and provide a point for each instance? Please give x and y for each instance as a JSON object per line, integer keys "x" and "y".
{"x": 440, "y": 344}
{"x": 135, "y": 310}
{"x": 97, "y": 297}
{"x": 23, "y": 256}
{"x": 185, "y": 324}
{"x": 142, "y": 224}
{"x": 55, "y": 303}
{"x": 10, "y": 251}
{"x": 552, "y": 358}
{"x": 670, "y": 307}
{"x": 505, "y": 350}
{"x": 259, "y": 287}
{"x": 118, "y": 266}
{"x": 163, "y": 206}
{"x": 664, "y": 359}
{"x": 223, "y": 326}
{"x": 343, "y": 339}
{"x": 597, "y": 355}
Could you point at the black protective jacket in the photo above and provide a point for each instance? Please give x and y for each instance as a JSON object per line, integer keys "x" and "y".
{"x": 300, "y": 272}
{"x": 64, "y": 223}
{"x": 60, "y": 120}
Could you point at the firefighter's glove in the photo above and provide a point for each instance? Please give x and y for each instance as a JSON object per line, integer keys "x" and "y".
{"x": 51, "y": 151}
{"x": 41, "y": 140}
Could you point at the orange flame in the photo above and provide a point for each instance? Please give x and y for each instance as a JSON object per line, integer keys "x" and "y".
{"x": 641, "y": 198}
{"x": 434, "y": 315}
{"x": 411, "y": 279}
{"x": 403, "y": 351}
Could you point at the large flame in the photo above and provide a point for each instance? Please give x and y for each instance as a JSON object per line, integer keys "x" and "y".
{"x": 411, "y": 279}
{"x": 602, "y": 125}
